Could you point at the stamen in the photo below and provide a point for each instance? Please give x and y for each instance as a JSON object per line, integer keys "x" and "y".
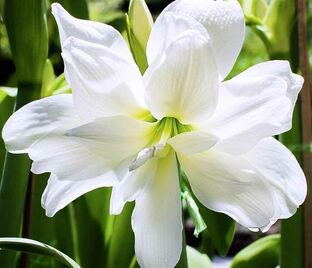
{"x": 144, "y": 155}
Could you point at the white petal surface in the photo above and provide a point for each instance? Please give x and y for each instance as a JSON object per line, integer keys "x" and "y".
{"x": 167, "y": 28}
{"x": 224, "y": 22}
{"x": 192, "y": 142}
{"x": 117, "y": 137}
{"x": 282, "y": 172}
{"x": 131, "y": 185}
{"x": 59, "y": 193}
{"x": 183, "y": 83}
{"x": 103, "y": 82}
{"x": 157, "y": 218}
{"x": 91, "y": 31}
{"x": 83, "y": 153}
{"x": 257, "y": 103}
{"x": 52, "y": 115}
{"x": 223, "y": 183}
{"x": 256, "y": 189}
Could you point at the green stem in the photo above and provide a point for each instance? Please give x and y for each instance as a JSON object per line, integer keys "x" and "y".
{"x": 14, "y": 182}
{"x": 183, "y": 258}
{"x": 292, "y": 235}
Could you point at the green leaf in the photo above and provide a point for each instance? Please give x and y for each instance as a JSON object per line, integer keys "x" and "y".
{"x": 92, "y": 218}
{"x": 57, "y": 231}
{"x": 195, "y": 259}
{"x": 60, "y": 86}
{"x": 220, "y": 227}
{"x": 26, "y": 25}
{"x": 292, "y": 229}
{"x": 77, "y": 8}
{"x": 121, "y": 245}
{"x": 47, "y": 79}
{"x": 264, "y": 252}
{"x": 6, "y": 107}
{"x": 35, "y": 247}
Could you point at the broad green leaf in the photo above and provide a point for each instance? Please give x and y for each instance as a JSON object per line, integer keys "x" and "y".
{"x": 195, "y": 259}
{"x": 92, "y": 217}
{"x": 264, "y": 252}
{"x": 35, "y": 247}
{"x": 58, "y": 231}
{"x": 26, "y": 25}
{"x": 220, "y": 227}
{"x": 292, "y": 229}
{"x": 121, "y": 245}
{"x": 6, "y": 107}
{"x": 77, "y": 8}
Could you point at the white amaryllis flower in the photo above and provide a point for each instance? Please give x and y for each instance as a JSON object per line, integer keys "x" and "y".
{"x": 127, "y": 131}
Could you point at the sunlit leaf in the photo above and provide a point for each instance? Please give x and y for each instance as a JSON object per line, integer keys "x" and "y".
{"x": 32, "y": 246}
{"x": 195, "y": 259}
{"x": 263, "y": 252}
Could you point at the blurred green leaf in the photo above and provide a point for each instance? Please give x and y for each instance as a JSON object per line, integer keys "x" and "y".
{"x": 92, "y": 217}
{"x": 195, "y": 259}
{"x": 47, "y": 79}
{"x": 35, "y": 247}
{"x": 26, "y": 25}
{"x": 264, "y": 252}
{"x": 77, "y": 8}
{"x": 121, "y": 245}
{"x": 278, "y": 23}
{"x": 57, "y": 231}
{"x": 220, "y": 227}
{"x": 6, "y": 107}
{"x": 254, "y": 9}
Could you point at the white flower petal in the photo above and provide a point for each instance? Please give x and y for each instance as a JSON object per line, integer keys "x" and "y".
{"x": 282, "y": 172}
{"x": 91, "y": 150}
{"x": 224, "y": 22}
{"x": 183, "y": 83}
{"x": 255, "y": 104}
{"x": 192, "y": 142}
{"x": 37, "y": 119}
{"x": 103, "y": 82}
{"x": 157, "y": 218}
{"x": 117, "y": 137}
{"x": 225, "y": 184}
{"x": 167, "y": 28}
{"x": 59, "y": 193}
{"x": 91, "y": 31}
{"x": 256, "y": 189}
{"x": 131, "y": 185}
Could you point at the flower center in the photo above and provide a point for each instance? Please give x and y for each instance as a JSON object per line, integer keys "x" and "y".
{"x": 166, "y": 128}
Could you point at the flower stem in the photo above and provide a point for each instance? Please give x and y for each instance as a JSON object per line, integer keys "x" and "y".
{"x": 183, "y": 258}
